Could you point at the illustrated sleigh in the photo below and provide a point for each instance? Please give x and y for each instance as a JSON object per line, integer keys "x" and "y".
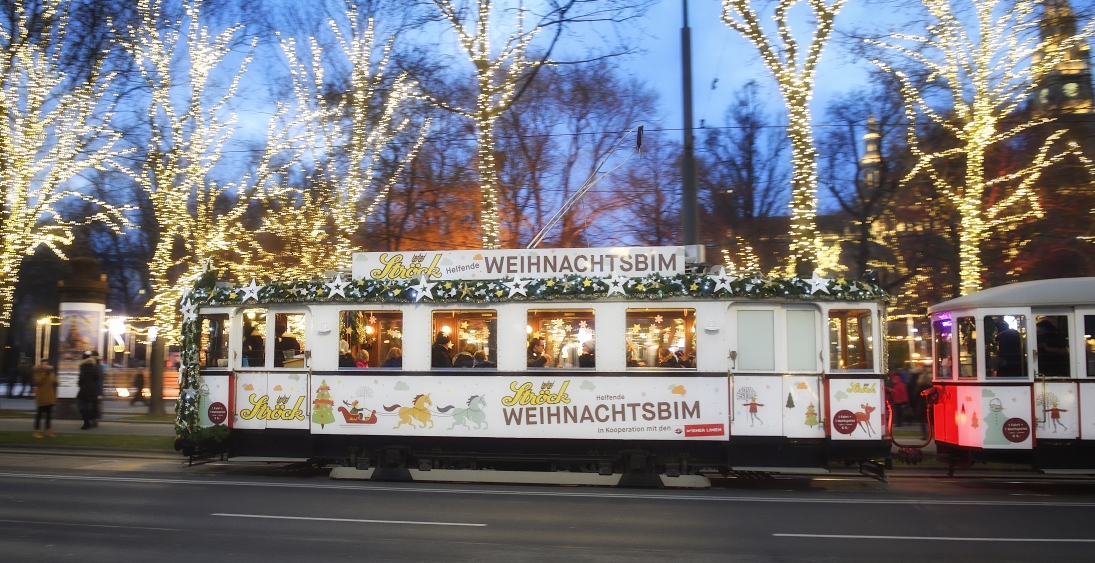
{"x": 356, "y": 418}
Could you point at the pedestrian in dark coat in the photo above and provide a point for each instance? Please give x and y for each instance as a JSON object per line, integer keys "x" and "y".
{"x": 138, "y": 382}
{"x": 439, "y": 357}
{"x": 88, "y": 383}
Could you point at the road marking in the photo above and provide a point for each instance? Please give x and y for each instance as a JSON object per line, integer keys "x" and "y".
{"x": 935, "y": 538}
{"x": 50, "y": 523}
{"x": 415, "y": 522}
{"x": 517, "y": 492}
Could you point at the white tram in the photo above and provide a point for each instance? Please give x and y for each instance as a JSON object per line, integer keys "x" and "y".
{"x": 648, "y": 365}
{"x": 1015, "y": 370}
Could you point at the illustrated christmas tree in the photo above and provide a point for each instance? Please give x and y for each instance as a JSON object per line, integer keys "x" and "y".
{"x": 975, "y": 424}
{"x": 323, "y": 413}
{"x": 790, "y": 401}
{"x": 811, "y": 416}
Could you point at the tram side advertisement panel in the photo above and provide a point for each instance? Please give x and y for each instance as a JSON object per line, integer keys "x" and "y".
{"x": 271, "y": 400}
{"x": 608, "y": 408}
{"x": 855, "y": 407}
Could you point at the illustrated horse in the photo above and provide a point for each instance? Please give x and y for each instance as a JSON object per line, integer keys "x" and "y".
{"x": 474, "y": 413}
{"x": 420, "y": 412}
{"x": 863, "y": 419}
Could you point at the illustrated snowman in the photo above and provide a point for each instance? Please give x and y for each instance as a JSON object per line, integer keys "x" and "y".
{"x": 994, "y": 424}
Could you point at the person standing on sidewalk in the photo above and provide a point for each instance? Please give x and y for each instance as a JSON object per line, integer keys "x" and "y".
{"x": 89, "y": 386}
{"x": 138, "y": 382}
{"x": 100, "y": 382}
{"x": 45, "y": 380}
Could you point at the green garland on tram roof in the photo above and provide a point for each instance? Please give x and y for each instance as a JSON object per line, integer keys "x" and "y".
{"x": 567, "y": 287}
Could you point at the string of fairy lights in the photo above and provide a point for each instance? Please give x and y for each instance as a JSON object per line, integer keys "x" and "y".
{"x": 47, "y": 128}
{"x": 795, "y": 78}
{"x": 987, "y": 75}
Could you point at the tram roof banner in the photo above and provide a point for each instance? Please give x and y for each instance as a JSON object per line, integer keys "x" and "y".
{"x": 637, "y": 261}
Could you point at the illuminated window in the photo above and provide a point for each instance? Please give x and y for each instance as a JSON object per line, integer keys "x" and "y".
{"x": 568, "y": 337}
{"x": 289, "y": 340}
{"x": 967, "y": 348}
{"x": 663, "y": 338}
{"x": 851, "y": 341}
{"x": 213, "y": 349}
{"x": 463, "y": 335}
{"x": 943, "y": 331}
{"x": 370, "y": 339}
{"x": 1005, "y": 346}
{"x": 254, "y": 338}
{"x": 1089, "y": 344}
{"x": 1071, "y": 89}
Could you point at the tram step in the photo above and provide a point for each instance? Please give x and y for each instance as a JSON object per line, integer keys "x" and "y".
{"x": 784, "y": 470}
{"x": 522, "y": 477}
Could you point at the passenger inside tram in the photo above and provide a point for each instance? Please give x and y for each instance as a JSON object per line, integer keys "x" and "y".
{"x": 395, "y": 358}
{"x": 466, "y": 358}
{"x": 1053, "y": 354}
{"x": 587, "y": 358}
{"x": 481, "y": 360}
{"x": 1004, "y": 348}
{"x": 439, "y": 356}
{"x": 535, "y": 354}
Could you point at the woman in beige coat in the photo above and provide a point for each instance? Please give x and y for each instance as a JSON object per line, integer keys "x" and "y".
{"x": 46, "y": 381}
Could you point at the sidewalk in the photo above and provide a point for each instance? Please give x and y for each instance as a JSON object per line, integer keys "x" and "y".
{"x": 113, "y": 411}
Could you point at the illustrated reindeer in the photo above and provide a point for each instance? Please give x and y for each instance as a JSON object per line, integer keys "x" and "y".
{"x": 863, "y": 419}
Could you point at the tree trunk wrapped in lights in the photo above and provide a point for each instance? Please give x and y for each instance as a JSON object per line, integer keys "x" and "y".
{"x": 981, "y": 73}
{"x": 352, "y": 136}
{"x": 198, "y": 217}
{"x": 796, "y": 85}
{"x": 496, "y": 80}
{"x": 53, "y": 130}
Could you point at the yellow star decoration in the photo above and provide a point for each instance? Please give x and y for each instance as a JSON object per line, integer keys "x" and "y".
{"x": 465, "y": 290}
{"x": 499, "y": 293}
{"x": 232, "y": 295}
{"x": 586, "y": 282}
{"x": 551, "y": 283}
{"x": 640, "y": 287}
{"x": 397, "y": 292}
{"x": 655, "y": 285}
{"x": 693, "y": 287}
{"x": 448, "y": 285}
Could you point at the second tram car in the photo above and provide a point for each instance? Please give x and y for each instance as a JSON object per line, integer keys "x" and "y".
{"x": 1015, "y": 369}
{"x": 606, "y": 359}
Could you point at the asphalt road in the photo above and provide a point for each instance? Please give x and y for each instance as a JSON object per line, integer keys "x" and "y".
{"x": 113, "y": 508}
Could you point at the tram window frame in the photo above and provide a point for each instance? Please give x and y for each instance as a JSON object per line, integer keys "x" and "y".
{"x": 1089, "y": 344}
{"x": 464, "y": 339}
{"x": 965, "y": 328}
{"x": 943, "y": 339}
{"x": 279, "y": 343}
{"x": 208, "y": 337}
{"x": 1048, "y": 354}
{"x": 839, "y": 345}
{"x": 379, "y": 350}
{"x": 631, "y": 349}
{"x": 249, "y": 317}
{"x": 994, "y": 364}
{"x": 568, "y": 340}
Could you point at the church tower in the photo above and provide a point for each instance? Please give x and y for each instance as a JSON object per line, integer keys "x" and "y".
{"x": 1066, "y": 90}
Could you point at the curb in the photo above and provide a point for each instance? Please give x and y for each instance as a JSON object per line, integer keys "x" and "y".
{"x": 91, "y": 451}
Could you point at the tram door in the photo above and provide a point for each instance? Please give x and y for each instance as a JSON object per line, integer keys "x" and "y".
{"x": 1085, "y": 372}
{"x": 775, "y": 371}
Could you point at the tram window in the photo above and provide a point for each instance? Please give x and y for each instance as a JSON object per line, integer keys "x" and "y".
{"x": 943, "y": 331}
{"x": 664, "y": 338}
{"x": 288, "y": 340}
{"x": 851, "y": 341}
{"x": 468, "y": 333}
{"x": 1089, "y": 343}
{"x": 1053, "y": 349}
{"x": 1005, "y": 346}
{"x": 967, "y": 348}
{"x": 370, "y": 339}
{"x": 213, "y": 350}
{"x": 801, "y": 341}
{"x": 254, "y": 338}
{"x": 569, "y": 338}
{"x": 756, "y": 340}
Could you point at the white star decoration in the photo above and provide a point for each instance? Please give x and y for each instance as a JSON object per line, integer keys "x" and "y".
{"x": 617, "y": 285}
{"x": 251, "y": 291}
{"x": 189, "y": 311}
{"x": 722, "y": 281}
{"x": 425, "y": 288}
{"x": 516, "y": 286}
{"x": 337, "y": 286}
{"x": 818, "y": 283}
